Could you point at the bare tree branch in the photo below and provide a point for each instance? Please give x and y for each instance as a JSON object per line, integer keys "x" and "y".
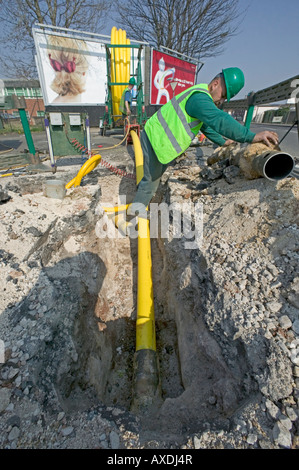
{"x": 197, "y": 28}
{"x": 17, "y": 18}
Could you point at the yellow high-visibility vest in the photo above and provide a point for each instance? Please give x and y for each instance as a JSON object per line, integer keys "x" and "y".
{"x": 171, "y": 130}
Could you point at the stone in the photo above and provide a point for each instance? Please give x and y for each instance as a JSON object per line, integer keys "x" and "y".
{"x": 295, "y": 357}
{"x": 67, "y": 431}
{"x": 114, "y": 440}
{"x": 251, "y": 439}
{"x": 34, "y": 231}
{"x": 12, "y": 373}
{"x": 274, "y": 307}
{"x": 60, "y": 415}
{"x": 230, "y": 173}
{"x": 295, "y": 327}
{"x": 285, "y": 322}
{"x": 197, "y": 443}
{"x": 14, "y": 434}
{"x": 272, "y": 409}
{"x": 5, "y": 395}
{"x": 4, "y": 196}
{"x": 286, "y": 422}
{"x": 282, "y": 436}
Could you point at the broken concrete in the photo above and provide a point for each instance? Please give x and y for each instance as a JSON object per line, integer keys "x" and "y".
{"x": 242, "y": 156}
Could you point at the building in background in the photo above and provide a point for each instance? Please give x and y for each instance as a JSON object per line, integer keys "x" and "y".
{"x": 31, "y": 91}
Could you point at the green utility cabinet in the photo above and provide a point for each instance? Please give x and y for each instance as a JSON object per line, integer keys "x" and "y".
{"x": 65, "y": 128}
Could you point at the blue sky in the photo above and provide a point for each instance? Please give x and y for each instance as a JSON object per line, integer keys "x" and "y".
{"x": 266, "y": 47}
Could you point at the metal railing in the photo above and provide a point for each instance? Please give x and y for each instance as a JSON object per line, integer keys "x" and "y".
{"x": 281, "y": 91}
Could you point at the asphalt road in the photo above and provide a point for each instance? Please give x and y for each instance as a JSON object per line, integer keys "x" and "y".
{"x": 18, "y": 143}
{"x": 290, "y": 144}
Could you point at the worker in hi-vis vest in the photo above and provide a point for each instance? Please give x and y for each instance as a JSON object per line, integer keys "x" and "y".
{"x": 170, "y": 131}
{"x": 126, "y": 98}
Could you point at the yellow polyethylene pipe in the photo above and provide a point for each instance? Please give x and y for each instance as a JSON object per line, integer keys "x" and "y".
{"x": 122, "y": 39}
{"x": 86, "y": 168}
{"x": 145, "y": 324}
{"x": 117, "y": 70}
{"x": 113, "y": 72}
{"x": 122, "y": 208}
{"x": 120, "y": 67}
{"x": 138, "y": 156}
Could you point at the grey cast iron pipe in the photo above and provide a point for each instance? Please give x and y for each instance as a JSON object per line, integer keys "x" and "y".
{"x": 273, "y": 165}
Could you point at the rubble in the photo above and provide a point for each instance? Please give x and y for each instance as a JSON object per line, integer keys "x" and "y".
{"x": 227, "y": 315}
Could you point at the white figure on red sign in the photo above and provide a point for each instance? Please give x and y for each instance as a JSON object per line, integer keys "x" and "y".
{"x": 159, "y": 80}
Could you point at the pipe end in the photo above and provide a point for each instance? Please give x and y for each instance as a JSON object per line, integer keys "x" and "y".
{"x": 274, "y": 165}
{"x": 147, "y": 392}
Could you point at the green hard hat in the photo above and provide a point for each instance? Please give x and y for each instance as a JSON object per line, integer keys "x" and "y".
{"x": 132, "y": 81}
{"x": 234, "y": 81}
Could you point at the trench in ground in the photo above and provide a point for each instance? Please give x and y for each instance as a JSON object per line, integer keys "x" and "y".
{"x": 196, "y": 386}
{"x": 91, "y": 359}
{"x": 104, "y": 332}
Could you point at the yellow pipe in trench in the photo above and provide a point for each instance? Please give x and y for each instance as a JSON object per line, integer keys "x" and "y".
{"x": 145, "y": 324}
{"x": 146, "y": 370}
{"x": 146, "y": 376}
{"x": 116, "y": 209}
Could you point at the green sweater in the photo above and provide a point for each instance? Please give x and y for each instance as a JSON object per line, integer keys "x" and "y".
{"x": 216, "y": 123}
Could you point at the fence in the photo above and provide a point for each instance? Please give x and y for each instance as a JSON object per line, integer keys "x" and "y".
{"x": 280, "y": 92}
{"x": 13, "y": 123}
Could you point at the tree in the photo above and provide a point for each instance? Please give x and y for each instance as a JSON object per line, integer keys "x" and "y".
{"x": 197, "y": 28}
{"x": 18, "y": 16}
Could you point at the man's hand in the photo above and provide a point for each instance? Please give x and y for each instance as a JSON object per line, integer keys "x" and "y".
{"x": 228, "y": 142}
{"x": 266, "y": 137}
{"x": 127, "y": 108}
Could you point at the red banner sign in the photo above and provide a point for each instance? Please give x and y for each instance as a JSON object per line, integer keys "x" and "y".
{"x": 169, "y": 76}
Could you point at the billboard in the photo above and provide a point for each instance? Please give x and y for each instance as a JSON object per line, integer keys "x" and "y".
{"x": 169, "y": 76}
{"x": 71, "y": 71}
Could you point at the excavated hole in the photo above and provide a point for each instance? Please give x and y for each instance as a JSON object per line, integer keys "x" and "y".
{"x": 98, "y": 352}
{"x": 89, "y": 357}
{"x": 99, "y": 366}
{"x": 92, "y": 357}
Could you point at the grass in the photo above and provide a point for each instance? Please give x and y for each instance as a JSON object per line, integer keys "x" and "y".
{"x": 19, "y": 129}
